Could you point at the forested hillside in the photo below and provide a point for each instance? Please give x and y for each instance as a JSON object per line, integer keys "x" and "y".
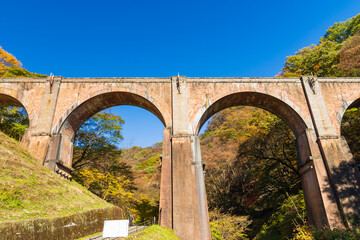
{"x": 129, "y": 179}
{"x": 336, "y": 55}
{"x": 251, "y": 168}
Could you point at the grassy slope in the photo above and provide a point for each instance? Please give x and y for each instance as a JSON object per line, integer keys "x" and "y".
{"x": 28, "y": 190}
{"x": 155, "y": 232}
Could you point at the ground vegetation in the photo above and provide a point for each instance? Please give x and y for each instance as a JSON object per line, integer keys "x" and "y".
{"x": 28, "y": 190}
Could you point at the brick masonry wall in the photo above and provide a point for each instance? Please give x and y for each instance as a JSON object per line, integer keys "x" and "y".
{"x": 60, "y": 228}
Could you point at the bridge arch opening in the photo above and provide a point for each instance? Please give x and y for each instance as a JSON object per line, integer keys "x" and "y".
{"x": 14, "y": 118}
{"x": 260, "y": 100}
{"x": 103, "y": 101}
{"x": 62, "y": 146}
{"x": 300, "y": 145}
{"x": 350, "y": 129}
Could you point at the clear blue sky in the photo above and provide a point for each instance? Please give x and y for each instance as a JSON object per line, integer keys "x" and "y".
{"x": 133, "y": 38}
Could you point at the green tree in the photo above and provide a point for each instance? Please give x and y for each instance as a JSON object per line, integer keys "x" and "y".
{"x": 13, "y": 121}
{"x": 290, "y": 215}
{"x": 228, "y": 227}
{"x": 321, "y": 60}
{"x": 260, "y": 177}
{"x": 110, "y": 187}
{"x": 337, "y": 53}
{"x": 145, "y": 209}
{"x": 271, "y": 162}
{"x": 341, "y": 31}
{"x": 97, "y": 160}
{"x": 97, "y": 139}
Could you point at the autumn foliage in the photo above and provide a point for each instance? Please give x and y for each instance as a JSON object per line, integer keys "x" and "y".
{"x": 11, "y": 67}
{"x": 336, "y": 55}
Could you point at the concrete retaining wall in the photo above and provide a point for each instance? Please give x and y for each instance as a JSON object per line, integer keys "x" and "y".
{"x": 60, "y": 228}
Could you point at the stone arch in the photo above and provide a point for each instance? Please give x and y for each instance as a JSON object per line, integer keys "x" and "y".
{"x": 354, "y": 103}
{"x": 78, "y": 113}
{"x": 61, "y": 147}
{"x": 18, "y": 93}
{"x": 348, "y": 146}
{"x": 256, "y": 99}
{"x": 8, "y": 100}
{"x": 308, "y": 164}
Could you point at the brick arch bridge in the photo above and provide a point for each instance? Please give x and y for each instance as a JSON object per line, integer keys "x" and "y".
{"x": 313, "y": 108}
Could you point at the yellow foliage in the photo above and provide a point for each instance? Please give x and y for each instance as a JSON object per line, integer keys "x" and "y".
{"x": 107, "y": 186}
{"x": 10, "y": 67}
{"x": 303, "y": 233}
{"x": 7, "y": 60}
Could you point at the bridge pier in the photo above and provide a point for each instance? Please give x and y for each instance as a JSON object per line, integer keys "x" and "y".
{"x": 37, "y": 145}
{"x": 37, "y": 139}
{"x": 190, "y": 219}
{"x": 201, "y": 200}
{"x": 321, "y": 206}
{"x": 165, "y": 208}
{"x": 343, "y": 178}
{"x": 59, "y": 155}
{"x": 190, "y": 213}
{"x": 344, "y": 175}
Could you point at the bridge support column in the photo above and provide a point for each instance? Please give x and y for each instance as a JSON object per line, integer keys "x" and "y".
{"x": 201, "y": 200}
{"x": 190, "y": 214}
{"x": 165, "y": 209}
{"x": 38, "y": 145}
{"x": 321, "y": 206}
{"x": 59, "y": 145}
{"x": 343, "y": 175}
{"x": 37, "y": 140}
